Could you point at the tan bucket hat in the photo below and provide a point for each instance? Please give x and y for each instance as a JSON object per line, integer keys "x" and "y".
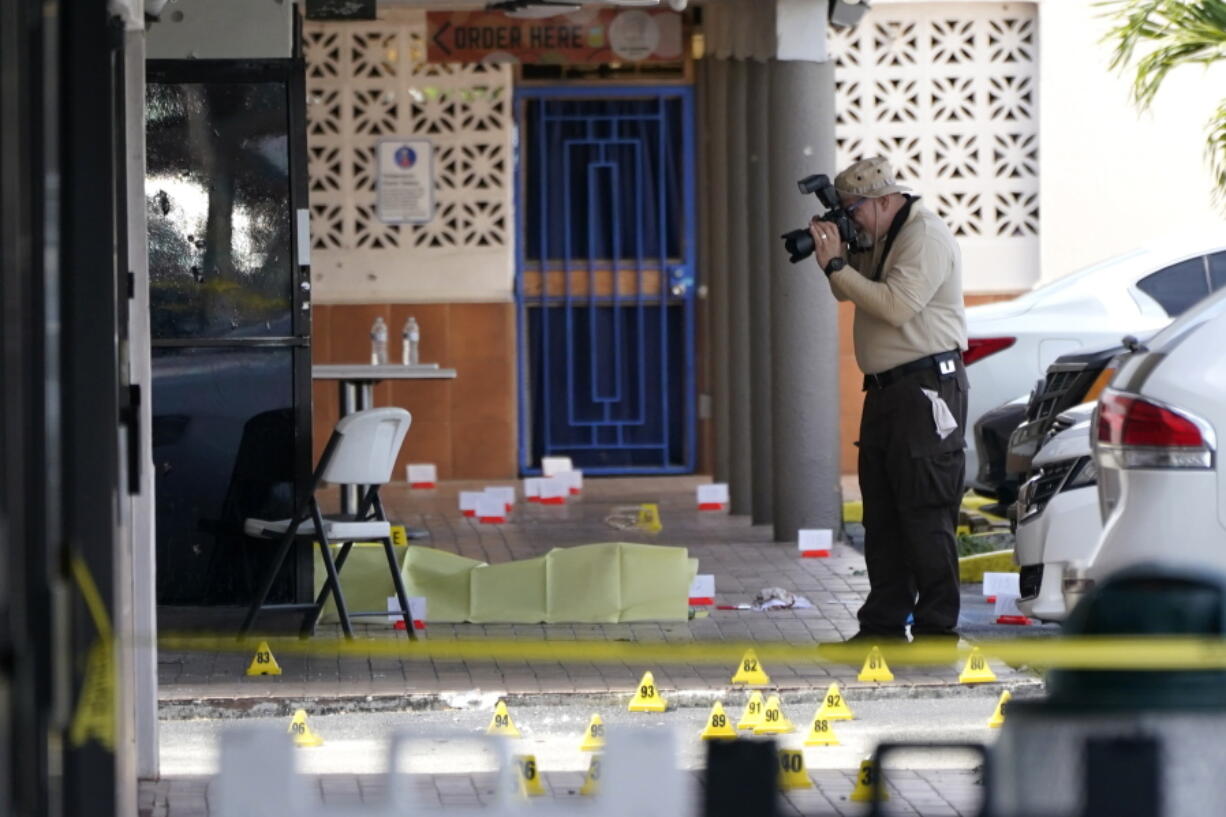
{"x": 869, "y": 178}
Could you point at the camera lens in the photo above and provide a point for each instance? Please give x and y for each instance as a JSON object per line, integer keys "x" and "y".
{"x": 799, "y": 244}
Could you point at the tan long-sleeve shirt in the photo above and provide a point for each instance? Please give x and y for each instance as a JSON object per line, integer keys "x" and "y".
{"x": 916, "y": 309}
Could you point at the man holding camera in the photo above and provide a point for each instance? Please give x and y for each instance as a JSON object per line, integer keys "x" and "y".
{"x": 909, "y": 334}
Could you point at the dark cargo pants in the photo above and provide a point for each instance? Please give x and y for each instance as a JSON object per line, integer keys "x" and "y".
{"x": 911, "y": 482}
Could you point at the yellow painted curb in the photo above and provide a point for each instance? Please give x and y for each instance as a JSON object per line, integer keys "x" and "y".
{"x": 853, "y": 511}
{"x": 971, "y": 568}
{"x": 973, "y": 502}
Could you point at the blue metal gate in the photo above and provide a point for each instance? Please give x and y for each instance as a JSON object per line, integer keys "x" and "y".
{"x": 605, "y": 278}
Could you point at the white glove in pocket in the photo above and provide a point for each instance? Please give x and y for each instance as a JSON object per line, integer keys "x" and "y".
{"x": 942, "y": 418}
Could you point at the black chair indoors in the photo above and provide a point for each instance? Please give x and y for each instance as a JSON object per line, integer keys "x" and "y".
{"x": 362, "y": 451}
{"x": 261, "y": 485}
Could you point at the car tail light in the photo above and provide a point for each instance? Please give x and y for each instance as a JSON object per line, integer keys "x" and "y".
{"x": 979, "y": 348}
{"x": 1134, "y": 432}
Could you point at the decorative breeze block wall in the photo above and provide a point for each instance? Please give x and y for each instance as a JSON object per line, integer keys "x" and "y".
{"x": 368, "y": 81}
{"x": 948, "y": 91}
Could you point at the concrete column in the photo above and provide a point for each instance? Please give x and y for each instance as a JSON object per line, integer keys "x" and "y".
{"x": 804, "y": 321}
{"x": 739, "y": 426}
{"x": 761, "y": 240}
{"x": 717, "y": 266}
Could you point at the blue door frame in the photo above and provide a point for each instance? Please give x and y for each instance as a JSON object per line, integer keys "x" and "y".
{"x": 605, "y": 278}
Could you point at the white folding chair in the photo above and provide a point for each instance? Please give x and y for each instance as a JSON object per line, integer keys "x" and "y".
{"x": 362, "y": 451}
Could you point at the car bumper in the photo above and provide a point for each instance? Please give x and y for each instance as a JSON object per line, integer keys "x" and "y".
{"x": 1048, "y": 603}
{"x": 1063, "y": 538}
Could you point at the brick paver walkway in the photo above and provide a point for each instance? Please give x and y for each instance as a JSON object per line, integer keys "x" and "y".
{"x": 741, "y": 556}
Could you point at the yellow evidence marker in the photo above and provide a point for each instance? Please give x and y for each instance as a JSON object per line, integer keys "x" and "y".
{"x": 752, "y": 716}
{"x": 263, "y": 662}
{"x": 501, "y": 723}
{"x": 875, "y": 668}
{"x": 773, "y": 721}
{"x": 865, "y": 780}
{"x": 834, "y": 706}
{"x": 821, "y": 732}
{"x": 301, "y": 730}
{"x": 718, "y": 725}
{"x": 976, "y": 670}
{"x": 998, "y": 717}
{"x": 649, "y": 518}
{"x": 529, "y": 776}
{"x": 647, "y": 697}
{"x": 750, "y": 671}
{"x": 591, "y": 782}
{"x": 792, "y": 774}
{"x": 593, "y": 736}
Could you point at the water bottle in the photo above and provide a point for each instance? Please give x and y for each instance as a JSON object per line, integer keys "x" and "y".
{"x": 411, "y": 345}
{"x": 378, "y": 343}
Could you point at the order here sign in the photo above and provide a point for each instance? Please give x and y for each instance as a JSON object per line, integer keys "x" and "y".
{"x": 588, "y": 36}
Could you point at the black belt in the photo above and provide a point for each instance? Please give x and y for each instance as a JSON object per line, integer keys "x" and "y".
{"x": 883, "y": 379}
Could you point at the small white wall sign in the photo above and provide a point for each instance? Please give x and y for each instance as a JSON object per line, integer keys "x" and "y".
{"x": 405, "y": 186}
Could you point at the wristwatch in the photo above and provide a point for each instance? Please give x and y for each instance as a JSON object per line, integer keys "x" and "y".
{"x": 835, "y": 264}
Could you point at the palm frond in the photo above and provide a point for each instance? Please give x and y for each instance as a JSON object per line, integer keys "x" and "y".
{"x": 1155, "y": 37}
{"x": 1215, "y": 153}
{"x": 1154, "y": 67}
{"x": 1170, "y": 33}
{"x": 1133, "y": 24}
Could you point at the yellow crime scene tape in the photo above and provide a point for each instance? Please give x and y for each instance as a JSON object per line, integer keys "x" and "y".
{"x": 1154, "y": 653}
{"x": 94, "y": 715}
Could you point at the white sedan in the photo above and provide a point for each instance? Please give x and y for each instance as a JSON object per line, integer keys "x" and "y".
{"x": 1155, "y": 437}
{"x": 1013, "y": 342}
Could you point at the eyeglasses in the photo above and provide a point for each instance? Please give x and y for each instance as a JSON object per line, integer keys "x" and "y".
{"x": 851, "y": 208}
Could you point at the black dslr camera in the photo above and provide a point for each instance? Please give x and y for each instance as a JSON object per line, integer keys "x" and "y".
{"x": 799, "y": 243}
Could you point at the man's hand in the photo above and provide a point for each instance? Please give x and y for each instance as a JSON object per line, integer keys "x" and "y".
{"x": 826, "y": 242}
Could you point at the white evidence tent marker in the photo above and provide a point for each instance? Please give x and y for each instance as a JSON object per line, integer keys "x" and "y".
{"x": 702, "y": 590}
{"x": 491, "y": 509}
{"x": 422, "y": 475}
{"x": 417, "y": 612}
{"x": 713, "y": 497}
{"x": 552, "y": 466}
{"x": 554, "y": 491}
{"x": 532, "y": 489}
{"x": 468, "y": 502}
{"x": 1001, "y": 584}
{"x": 814, "y": 543}
{"x": 573, "y": 480}
{"x": 1007, "y": 611}
{"x": 504, "y": 492}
